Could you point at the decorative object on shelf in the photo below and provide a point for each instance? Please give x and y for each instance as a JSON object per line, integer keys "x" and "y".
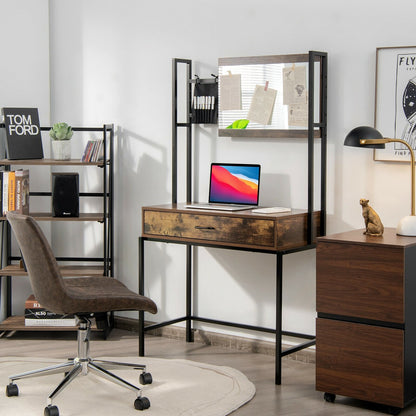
{"x": 65, "y": 194}
{"x": 23, "y": 133}
{"x": 61, "y": 134}
{"x": 373, "y": 224}
{"x": 395, "y": 104}
{"x": 204, "y": 109}
{"x": 366, "y": 136}
{"x": 239, "y": 124}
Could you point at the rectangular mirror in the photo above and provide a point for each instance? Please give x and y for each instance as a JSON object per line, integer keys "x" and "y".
{"x": 268, "y": 96}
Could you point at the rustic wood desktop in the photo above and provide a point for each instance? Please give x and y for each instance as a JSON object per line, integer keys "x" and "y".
{"x": 278, "y": 234}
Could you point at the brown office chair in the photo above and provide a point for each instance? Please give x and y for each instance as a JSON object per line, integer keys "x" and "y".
{"x": 82, "y": 297}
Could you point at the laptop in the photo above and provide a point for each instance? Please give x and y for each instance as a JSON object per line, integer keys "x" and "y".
{"x": 232, "y": 187}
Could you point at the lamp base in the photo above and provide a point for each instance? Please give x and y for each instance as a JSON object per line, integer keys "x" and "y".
{"x": 407, "y": 226}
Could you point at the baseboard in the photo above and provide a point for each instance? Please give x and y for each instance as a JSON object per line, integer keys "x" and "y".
{"x": 213, "y": 338}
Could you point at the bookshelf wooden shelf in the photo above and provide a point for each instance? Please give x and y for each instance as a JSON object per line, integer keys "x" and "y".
{"x": 70, "y": 271}
{"x": 47, "y": 216}
{"x": 79, "y": 266}
{"x": 49, "y": 162}
{"x": 17, "y": 323}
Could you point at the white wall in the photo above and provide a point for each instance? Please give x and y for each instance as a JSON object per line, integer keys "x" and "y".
{"x": 24, "y": 80}
{"x": 111, "y": 62}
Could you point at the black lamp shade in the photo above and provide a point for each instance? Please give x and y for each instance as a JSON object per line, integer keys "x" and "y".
{"x": 363, "y": 133}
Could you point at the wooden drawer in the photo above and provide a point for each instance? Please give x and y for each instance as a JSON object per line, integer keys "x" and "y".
{"x": 240, "y": 231}
{"x": 364, "y": 281}
{"x": 360, "y": 361}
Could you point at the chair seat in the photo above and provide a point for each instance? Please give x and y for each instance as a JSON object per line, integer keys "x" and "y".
{"x": 102, "y": 294}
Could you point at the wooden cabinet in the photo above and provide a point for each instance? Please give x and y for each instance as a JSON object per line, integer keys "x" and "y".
{"x": 70, "y": 266}
{"x": 366, "y": 325}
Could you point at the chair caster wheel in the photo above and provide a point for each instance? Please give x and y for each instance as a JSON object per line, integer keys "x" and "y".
{"x": 12, "y": 390}
{"x": 51, "y": 411}
{"x": 329, "y": 397}
{"x": 146, "y": 378}
{"x": 141, "y": 403}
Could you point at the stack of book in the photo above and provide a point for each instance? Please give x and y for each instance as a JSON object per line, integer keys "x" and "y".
{"x": 14, "y": 195}
{"x": 93, "y": 151}
{"x": 36, "y": 315}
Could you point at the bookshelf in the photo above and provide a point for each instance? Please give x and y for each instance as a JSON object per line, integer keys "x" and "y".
{"x": 82, "y": 266}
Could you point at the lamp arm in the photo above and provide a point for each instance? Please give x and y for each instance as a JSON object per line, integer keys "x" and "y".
{"x": 412, "y": 167}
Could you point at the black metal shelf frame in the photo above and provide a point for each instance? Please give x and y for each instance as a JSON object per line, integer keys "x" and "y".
{"x": 107, "y": 194}
{"x": 321, "y": 58}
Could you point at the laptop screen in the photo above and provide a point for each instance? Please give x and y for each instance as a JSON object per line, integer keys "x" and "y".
{"x": 231, "y": 183}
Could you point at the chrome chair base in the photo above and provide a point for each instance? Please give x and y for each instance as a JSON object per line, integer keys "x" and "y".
{"x": 82, "y": 365}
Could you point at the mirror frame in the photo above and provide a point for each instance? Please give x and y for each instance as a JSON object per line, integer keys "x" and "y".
{"x": 310, "y": 58}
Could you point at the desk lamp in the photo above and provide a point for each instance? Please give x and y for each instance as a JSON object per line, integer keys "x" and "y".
{"x": 369, "y": 137}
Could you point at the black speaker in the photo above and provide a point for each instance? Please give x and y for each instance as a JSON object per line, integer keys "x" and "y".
{"x": 65, "y": 194}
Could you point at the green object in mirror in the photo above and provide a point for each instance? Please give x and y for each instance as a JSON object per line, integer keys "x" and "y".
{"x": 239, "y": 124}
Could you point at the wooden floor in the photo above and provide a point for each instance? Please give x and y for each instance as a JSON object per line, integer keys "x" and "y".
{"x": 295, "y": 397}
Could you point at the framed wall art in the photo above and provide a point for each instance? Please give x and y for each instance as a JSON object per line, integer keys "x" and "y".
{"x": 395, "y": 100}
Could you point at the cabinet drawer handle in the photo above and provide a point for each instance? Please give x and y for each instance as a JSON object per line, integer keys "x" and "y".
{"x": 198, "y": 227}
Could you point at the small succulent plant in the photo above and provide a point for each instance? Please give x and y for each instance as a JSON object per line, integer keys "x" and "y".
{"x": 61, "y": 131}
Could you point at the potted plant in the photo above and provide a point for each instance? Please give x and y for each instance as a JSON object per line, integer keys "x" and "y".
{"x": 61, "y": 134}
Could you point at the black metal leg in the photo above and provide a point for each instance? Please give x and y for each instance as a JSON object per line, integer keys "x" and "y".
{"x": 279, "y": 276}
{"x": 189, "y": 332}
{"x": 141, "y": 292}
{"x": 8, "y": 296}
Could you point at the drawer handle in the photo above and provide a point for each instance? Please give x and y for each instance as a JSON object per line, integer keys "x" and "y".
{"x": 198, "y": 227}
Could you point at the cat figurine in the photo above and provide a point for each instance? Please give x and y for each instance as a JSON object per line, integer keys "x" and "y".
{"x": 373, "y": 224}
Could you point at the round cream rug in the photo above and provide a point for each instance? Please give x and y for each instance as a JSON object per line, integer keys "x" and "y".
{"x": 179, "y": 388}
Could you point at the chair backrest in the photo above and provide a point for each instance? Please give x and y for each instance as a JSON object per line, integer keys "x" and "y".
{"x": 45, "y": 276}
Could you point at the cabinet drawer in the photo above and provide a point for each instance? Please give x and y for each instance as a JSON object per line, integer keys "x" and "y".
{"x": 360, "y": 361}
{"x": 363, "y": 281}
{"x": 216, "y": 228}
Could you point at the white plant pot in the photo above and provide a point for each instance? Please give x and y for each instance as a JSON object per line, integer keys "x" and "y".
{"x": 61, "y": 149}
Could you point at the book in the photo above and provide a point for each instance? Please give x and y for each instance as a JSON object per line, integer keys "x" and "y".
{"x": 1, "y": 191}
{"x": 5, "y": 189}
{"x": 41, "y": 317}
{"x": 84, "y": 155}
{"x": 23, "y": 133}
{"x": 99, "y": 154}
{"x": 31, "y": 302}
{"x": 11, "y": 190}
{"x": 22, "y": 191}
{"x": 36, "y": 315}
{"x": 93, "y": 151}
{"x": 90, "y": 147}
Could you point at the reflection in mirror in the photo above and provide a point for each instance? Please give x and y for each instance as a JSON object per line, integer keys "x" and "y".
{"x": 267, "y": 94}
{"x": 286, "y": 108}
